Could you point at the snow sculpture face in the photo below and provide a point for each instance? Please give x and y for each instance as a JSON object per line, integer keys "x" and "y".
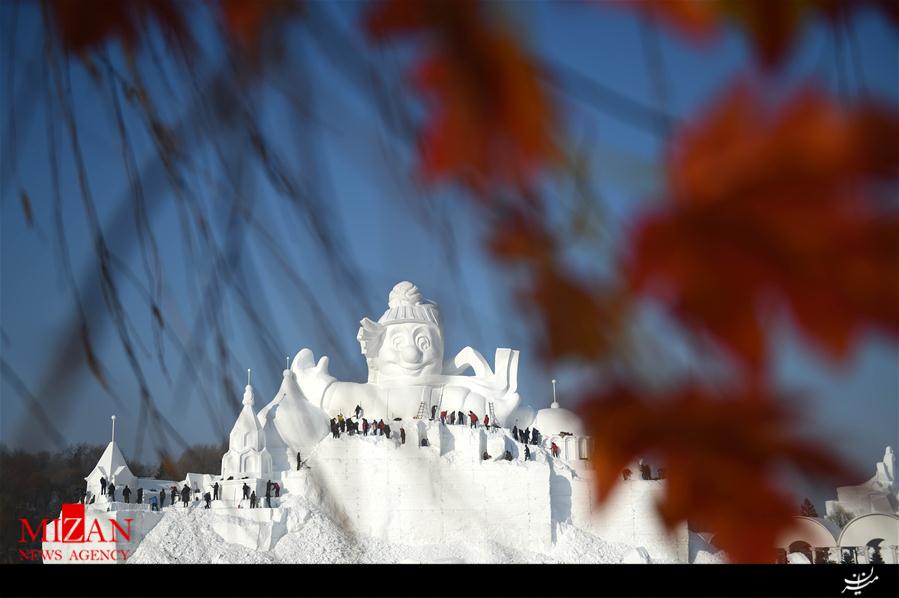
{"x": 410, "y": 349}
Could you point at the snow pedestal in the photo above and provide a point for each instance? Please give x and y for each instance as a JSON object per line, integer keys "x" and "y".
{"x": 412, "y": 495}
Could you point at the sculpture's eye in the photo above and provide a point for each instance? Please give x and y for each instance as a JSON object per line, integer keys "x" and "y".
{"x": 423, "y": 342}
{"x": 397, "y": 342}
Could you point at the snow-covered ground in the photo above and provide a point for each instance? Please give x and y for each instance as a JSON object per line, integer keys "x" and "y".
{"x": 189, "y": 536}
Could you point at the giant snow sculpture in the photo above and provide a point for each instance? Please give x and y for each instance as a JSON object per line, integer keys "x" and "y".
{"x": 407, "y": 375}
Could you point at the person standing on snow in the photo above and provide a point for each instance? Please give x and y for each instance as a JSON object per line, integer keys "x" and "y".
{"x": 403, "y": 435}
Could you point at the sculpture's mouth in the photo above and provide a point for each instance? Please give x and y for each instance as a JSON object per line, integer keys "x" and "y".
{"x": 412, "y": 368}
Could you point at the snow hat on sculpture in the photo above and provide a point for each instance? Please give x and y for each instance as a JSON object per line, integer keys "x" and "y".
{"x": 247, "y": 454}
{"x": 415, "y": 346}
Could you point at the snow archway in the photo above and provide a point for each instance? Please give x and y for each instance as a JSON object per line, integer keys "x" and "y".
{"x": 872, "y": 533}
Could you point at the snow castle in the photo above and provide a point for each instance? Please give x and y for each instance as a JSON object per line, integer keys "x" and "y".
{"x": 431, "y": 483}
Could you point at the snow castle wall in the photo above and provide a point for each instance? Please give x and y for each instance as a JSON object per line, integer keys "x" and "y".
{"x": 439, "y": 493}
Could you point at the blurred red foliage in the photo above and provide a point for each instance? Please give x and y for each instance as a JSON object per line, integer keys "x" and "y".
{"x": 777, "y": 204}
{"x": 772, "y": 26}
{"x": 722, "y": 458}
{"x": 85, "y": 24}
{"x": 490, "y": 122}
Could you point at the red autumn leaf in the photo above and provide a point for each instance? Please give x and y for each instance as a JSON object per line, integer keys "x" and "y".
{"x": 768, "y": 204}
{"x": 773, "y": 27}
{"x": 722, "y": 460}
{"x": 85, "y": 24}
{"x": 489, "y": 120}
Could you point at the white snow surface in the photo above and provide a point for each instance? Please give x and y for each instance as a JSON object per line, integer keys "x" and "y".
{"x": 189, "y": 536}
{"x": 373, "y": 500}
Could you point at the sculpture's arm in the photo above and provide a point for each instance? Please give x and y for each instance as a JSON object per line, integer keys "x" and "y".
{"x": 313, "y": 379}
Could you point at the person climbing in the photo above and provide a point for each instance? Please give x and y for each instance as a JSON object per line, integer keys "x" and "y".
{"x": 402, "y": 435}
{"x": 358, "y": 411}
{"x": 387, "y": 430}
{"x": 215, "y": 491}
{"x": 554, "y": 448}
{"x": 162, "y": 498}
{"x": 486, "y": 421}
{"x": 515, "y": 433}
{"x": 127, "y": 493}
{"x": 103, "y": 486}
{"x": 268, "y": 496}
{"x": 443, "y": 417}
{"x": 485, "y": 456}
{"x": 140, "y": 496}
{"x": 154, "y": 503}
{"x": 473, "y": 418}
{"x": 277, "y": 488}
{"x": 433, "y": 411}
{"x": 111, "y": 490}
{"x": 208, "y": 499}
{"x": 507, "y": 455}
{"x": 246, "y": 490}
{"x": 527, "y": 453}
{"x": 253, "y": 500}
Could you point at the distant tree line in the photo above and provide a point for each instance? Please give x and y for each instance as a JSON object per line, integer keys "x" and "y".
{"x": 36, "y": 484}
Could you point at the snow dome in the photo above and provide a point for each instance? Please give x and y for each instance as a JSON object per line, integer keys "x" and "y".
{"x": 555, "y": 419}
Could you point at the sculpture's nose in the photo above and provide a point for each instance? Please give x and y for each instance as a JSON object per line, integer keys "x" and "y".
{"x": 410, "y": 354}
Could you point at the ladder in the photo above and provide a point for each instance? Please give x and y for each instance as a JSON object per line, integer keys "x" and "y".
{"x": 492, "y": 414}
{"x": 421, "y": 410}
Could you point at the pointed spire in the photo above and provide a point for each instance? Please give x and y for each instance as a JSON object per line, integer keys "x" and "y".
{"x": 113, "y": 428}
{"x": 555, "y": 403}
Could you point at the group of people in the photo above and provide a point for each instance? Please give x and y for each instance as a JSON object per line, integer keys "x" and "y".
{"x": 341, "y": 425}
{"x": 527, "y": 436}
{"x": 458, "y": 418}
{"x": 158, "y": 502}
{"x": 250, "y": 495}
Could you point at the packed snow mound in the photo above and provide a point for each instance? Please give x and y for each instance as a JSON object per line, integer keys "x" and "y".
{"x": 311, "y": 536}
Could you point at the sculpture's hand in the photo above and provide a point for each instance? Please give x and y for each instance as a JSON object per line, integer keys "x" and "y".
{"x": 313, "y": 379}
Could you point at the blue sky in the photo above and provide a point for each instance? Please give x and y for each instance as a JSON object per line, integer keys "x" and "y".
{"x": 854, "y": 405}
